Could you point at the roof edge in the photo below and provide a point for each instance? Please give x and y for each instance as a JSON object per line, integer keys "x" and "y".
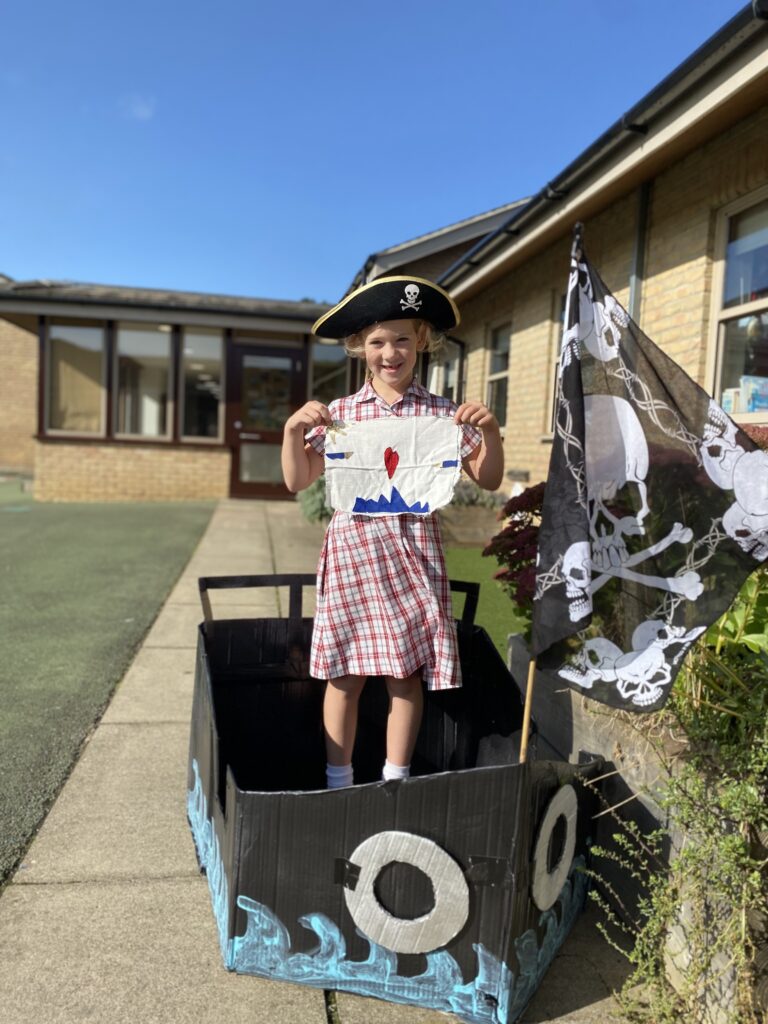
{"x": 735, "y": 35}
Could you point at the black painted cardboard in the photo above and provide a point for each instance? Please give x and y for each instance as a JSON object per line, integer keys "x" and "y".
{"x": 279, "y": 849}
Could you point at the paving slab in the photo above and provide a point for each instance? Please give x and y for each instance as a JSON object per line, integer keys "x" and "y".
{"x": 579, "y": 985}
{"x": 156, "y": 688}
{"x": 361, "y": 1010}
{"x": 175, "y": 626}
{"x": 122, "y": 813}
{"x": 130, "y": 953}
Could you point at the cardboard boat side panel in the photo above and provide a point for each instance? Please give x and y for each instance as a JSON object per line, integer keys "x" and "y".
{"x": 289, "y": 864}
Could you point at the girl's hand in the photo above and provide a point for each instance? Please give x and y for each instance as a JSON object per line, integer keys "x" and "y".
{"x": 477, "y": 414}
{"x": 313, "y": 414}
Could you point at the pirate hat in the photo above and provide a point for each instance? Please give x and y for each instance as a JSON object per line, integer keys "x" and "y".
{"x": 389, "y": 298}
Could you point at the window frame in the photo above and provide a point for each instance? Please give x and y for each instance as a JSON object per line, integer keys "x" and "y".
{"x": 451, "y": 347}
{"x": 719, "y": 314}
{"x": 491, "y": 378}
{"x": 47, "y": 379}
{"x": 178, "y": 367}
{"x": 171, "y": 409}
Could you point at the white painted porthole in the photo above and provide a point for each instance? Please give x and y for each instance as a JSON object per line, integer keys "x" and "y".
{"x": 402, "y": 935}
{"x": 547, "y": 884}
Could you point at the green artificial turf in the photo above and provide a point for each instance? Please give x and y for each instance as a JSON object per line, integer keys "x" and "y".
{"x": 80, "y": 586}
{"x": 495, "y": 611}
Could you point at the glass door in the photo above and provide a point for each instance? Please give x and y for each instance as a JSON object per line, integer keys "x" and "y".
{"x": 267, "y": 386}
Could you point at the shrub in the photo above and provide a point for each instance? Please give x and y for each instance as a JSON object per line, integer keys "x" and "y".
{"x": 515, "y": 547}
{"x": 467, "y": 493}
{"x": 312, "y": 502}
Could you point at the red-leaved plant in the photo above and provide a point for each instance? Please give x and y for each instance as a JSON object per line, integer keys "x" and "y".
{"x": 514, "y": 548}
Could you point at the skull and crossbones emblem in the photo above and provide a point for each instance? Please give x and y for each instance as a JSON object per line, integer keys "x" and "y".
{"x": 411, "y": 297}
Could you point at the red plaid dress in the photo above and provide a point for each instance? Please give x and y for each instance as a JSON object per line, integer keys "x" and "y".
{"x": 383, "y": 599}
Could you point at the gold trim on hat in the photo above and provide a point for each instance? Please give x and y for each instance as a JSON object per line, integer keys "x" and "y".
{"x": 384, "y": 280}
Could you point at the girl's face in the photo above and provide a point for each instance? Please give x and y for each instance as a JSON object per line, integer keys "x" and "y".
{"x": 390, "y": 349}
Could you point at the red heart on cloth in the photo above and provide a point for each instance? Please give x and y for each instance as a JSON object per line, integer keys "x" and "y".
{"x": 391, "y": 459}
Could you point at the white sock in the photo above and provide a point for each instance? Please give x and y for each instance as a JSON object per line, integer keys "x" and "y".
{"x": 395, "y": 771}
{"x": 338, "y": 775}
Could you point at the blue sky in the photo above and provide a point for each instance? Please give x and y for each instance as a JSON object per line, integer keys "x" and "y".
{"x": 265, "y": 148}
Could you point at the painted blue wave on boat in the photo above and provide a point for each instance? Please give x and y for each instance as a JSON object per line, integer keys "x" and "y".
{"x": 209, "y": 856}
{"x": 495, "y": 996}
{"x": 395, "y": 503}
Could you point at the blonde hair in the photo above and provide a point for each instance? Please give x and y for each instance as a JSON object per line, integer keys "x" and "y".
{"x": 355, "y": 343}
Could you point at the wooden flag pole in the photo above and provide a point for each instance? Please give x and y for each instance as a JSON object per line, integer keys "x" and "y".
{"x": 527, "y": 711}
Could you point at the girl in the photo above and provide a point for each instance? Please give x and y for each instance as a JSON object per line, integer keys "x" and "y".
{"x": 383, "y": 599}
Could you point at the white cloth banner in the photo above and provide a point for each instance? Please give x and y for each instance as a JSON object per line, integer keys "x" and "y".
{"x": 391, "y": 466}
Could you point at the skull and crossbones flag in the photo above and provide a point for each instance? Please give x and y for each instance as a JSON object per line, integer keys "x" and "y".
{"x": 655, "y": 509}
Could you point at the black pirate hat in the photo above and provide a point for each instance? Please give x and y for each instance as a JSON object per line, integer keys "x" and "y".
{"x": 389, "y": 298}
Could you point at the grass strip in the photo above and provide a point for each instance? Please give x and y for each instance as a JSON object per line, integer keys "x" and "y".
{"x": 495, "y": 611}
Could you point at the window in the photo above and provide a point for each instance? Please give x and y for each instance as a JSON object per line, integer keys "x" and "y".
{"x": 75, "y": 379}
{"x": 142, "y": 366}
{"x": 444, "y": 368}
{"x": 329, "y": 372}
{"x": 201, "y": 383}
{"x": 498, "y": 372}
{"x": 742, "y": 313}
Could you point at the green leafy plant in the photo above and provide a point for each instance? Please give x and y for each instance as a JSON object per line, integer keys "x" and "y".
{"x": 705, "y": 907}
{"x": 312, "y": 502}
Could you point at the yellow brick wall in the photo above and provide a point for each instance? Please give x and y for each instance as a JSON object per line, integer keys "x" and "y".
{"x": 675, "y": 297}
{"x": 68, "y": 471}
{"x": 18, "y": 397}
{"x": 684, "y": 207}
{"x": 531, "y": 299}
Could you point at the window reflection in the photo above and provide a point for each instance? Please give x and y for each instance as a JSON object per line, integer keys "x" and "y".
{"x": 746, "y": 272}
{"x": 745, "y": 364}
{"x": 744, "y": 338}
{"x": 76, "y": 367}
{"x": 201, "y": 383}
{"x": 266, "y": 391}
{"x": 444, "y": 366}
{"x": 143, "y": 361}
{"x": 329, "y": 372}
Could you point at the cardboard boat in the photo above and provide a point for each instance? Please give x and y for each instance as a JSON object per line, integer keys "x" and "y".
{"x": 451, "y": 890}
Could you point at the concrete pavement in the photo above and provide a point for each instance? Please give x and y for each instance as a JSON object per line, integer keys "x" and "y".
{"x": 108, "y": 918}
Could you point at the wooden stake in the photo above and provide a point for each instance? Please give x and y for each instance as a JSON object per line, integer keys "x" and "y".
{"x": 527, "y": 710}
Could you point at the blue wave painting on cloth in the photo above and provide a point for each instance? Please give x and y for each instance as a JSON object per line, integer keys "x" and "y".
{"x": 395, "y": 503}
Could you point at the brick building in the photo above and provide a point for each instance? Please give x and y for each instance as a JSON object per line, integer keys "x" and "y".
{"x": 111, "y": 393}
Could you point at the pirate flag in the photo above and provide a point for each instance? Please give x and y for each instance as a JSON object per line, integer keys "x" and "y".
{"x": 655, "y": 509}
